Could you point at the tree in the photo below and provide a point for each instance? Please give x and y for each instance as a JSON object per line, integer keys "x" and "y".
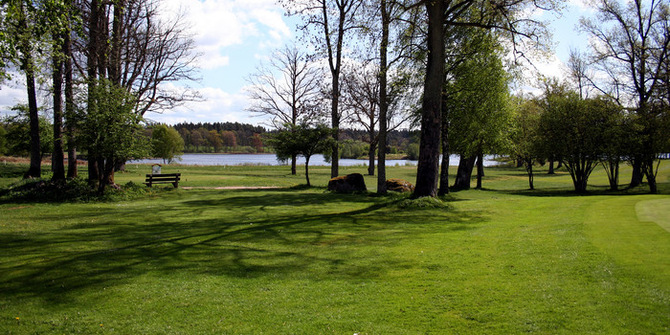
{"x": 228, "y": 138}
{"x": 482, "y": 14}
{"x": 166, "y": 143}
{"x": 3, "y": 140}
{"x": 630, "y": 46}
{"x": 290, "y": 98}
{"x": 476, "y": 104}
{"x": 23, "y": 31}
{"x": 129, "y": 44}
{"x": 331, "y": 21}
{"x": 112, "y": 132}
{"x": 576, "y": 130}
{"x": 18, "y": 133}
{"x": 214, "y": 139}
{"x": 525, "y": 134}
{"x": 301, "y": 140}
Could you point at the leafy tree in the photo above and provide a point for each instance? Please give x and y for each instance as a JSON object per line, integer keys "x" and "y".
{"x": 483, "y": 14}
{"x": 301, "y": 140}
{"x": 23, "y": 30}
{"x": 3, "y": 140}
{"x": 112, "y": 132}
{"x": 166, "y": 143}
{"x": 228, "y": 138}
{"x": 525, "y": 134}
{"x": 214, "y": 139}
{"x": 18, "y": 133}
{"x": 475, "y": 101}
{"x": 575, "y": 129}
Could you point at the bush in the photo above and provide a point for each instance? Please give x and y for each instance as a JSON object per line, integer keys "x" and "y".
{"x": 73, "y": 190}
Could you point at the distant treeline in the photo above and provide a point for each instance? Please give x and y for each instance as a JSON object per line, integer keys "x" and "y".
{"x": 235, "y": 137}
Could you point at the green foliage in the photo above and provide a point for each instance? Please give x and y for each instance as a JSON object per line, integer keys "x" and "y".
{"x": 476, "y": 97}
{"x": 17, "y": 135}
{"x": 71, "y": 190}
{"x": 578, "y": 131}
{"x": 353, "y": 149}
{"x": 3, "y": 141}
{"x": 112, "y": 129}
{"x": 301, "y": 140}
{"x": 166, "y": 143}
{"x": 412, "y": 151}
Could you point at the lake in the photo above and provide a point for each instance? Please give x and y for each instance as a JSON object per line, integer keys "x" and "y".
{"x": 271, "y": 159}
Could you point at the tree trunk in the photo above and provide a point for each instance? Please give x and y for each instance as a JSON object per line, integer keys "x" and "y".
{"x": 57, "y": 163}
{"x": 480, "y": 170}
{"x": 383, "y": 99}
{"x": 638, "y": 175}
{"x": 551, "y": 167}
{"x": 294, "y": 159}
{"x": 429, "y": 147}
{"x": 28, "y": 66}
{"x": 371, "y": 158}
{"x": 307, "y": 170}
{"x": 464, "y": 173}
{"x": 92, "y": 63}
{"x": 70, "y": 118}
{"x": 529, "y": 170}
{"x": 35, "y": 170}
{"x": 648, "y": 169}
{"x": 444, "y": 170}
{"x": 444, "y": 174}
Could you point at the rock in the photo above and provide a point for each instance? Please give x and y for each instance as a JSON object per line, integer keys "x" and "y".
{"x": 399, "y": 185}
{"x": 348, "y": 184}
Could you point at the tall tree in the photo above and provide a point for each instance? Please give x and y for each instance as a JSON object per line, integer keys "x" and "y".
{"x": 476, "y": 100}
{"x": 630, "y": 45}
{"x": 24, "y": 29}
{"x": 287, "y": 89}
{"x": 525, "y": 134}
{"x": 483, "y": 14}
{"x": 328, "y": 23}
{"x": 132, "y": 47}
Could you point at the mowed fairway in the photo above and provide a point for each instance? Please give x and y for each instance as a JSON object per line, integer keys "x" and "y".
{"x": 303, "y": 261}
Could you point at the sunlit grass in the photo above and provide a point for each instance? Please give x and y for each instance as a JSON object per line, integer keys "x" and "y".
{"x": 503, "y": 260}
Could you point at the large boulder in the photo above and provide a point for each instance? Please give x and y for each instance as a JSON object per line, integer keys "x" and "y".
{"x": 348, "y": 184}
{"x": 399, "y": 185}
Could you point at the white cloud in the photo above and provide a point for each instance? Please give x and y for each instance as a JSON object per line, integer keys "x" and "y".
{"x": 218, "y": 24}
{"x": 217, "y": 105}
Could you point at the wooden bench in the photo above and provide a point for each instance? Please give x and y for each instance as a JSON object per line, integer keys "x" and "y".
{"x": 163, "y": 178}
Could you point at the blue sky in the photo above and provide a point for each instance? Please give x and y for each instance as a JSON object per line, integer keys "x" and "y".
{"x": 234, "y": 35}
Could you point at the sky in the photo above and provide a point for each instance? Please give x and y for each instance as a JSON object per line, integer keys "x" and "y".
{"x": 234, "y": 36}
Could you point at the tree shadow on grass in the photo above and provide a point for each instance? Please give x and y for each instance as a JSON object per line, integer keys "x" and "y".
{"x": 243, "y": 235}
{"x": 593, "y": 190}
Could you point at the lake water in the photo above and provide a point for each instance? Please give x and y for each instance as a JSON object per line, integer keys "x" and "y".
{"x": 271, "y": 159}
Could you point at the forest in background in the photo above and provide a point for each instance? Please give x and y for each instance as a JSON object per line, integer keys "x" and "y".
{"x": 234, "y": 137}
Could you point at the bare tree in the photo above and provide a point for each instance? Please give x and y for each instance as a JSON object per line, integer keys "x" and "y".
{"x": 286, "y": 88}
{"x": 132, "y": 47}
{"x": 630, "y": 47}
{"x": 328, "y": 23}
{"x": 361, "y": 84}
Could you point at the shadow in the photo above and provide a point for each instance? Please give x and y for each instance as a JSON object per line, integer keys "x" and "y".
{"x": 235, "y": 234}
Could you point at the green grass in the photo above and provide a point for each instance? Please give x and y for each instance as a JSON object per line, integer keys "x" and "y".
{"x": 302, "y": 261}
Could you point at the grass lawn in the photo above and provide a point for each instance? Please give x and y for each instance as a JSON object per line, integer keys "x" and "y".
{"x": 501, "y": 260}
